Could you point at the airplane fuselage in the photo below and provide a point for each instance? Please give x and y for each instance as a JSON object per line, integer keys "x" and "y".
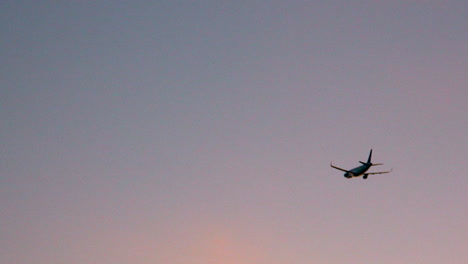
{"x": 358, "y": 171}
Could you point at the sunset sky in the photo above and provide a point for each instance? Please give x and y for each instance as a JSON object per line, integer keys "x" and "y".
{"x": 201, "y": 132}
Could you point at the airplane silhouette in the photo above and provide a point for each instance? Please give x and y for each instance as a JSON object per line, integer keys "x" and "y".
{"x": 361, "y": 170}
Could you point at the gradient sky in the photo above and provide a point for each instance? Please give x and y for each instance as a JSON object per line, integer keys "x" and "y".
{"x": 201, "y": 132}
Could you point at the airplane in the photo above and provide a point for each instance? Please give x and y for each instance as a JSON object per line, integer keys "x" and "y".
{"x": 361, "y": 170}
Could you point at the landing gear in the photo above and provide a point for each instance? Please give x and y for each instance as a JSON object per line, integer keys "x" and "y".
{"x": 365, "y": 176}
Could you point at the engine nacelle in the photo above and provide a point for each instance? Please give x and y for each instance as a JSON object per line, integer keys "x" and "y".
{"x": 348, "y": 175}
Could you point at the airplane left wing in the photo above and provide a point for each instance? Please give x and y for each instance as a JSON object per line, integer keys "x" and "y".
{"x": 381, "y": 172}
{"x": 331, "y": 165}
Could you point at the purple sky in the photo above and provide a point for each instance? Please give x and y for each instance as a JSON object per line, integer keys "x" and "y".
{"x": 201, "y": 132}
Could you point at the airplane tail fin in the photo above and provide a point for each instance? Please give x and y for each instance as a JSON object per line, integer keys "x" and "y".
{"x": 370, "y": 157}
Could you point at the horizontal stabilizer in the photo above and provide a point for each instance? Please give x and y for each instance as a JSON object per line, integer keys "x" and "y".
{"x": 377, "y": 164}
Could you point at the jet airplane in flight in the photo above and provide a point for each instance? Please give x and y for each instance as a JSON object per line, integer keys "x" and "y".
{"x": 361, "y": 170}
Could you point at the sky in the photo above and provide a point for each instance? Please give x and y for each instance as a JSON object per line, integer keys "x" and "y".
{"x": 201, "y": 132}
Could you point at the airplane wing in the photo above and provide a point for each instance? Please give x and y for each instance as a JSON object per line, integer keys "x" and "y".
{"x": 331, "y": 165}
{"x": 381, "y": 172}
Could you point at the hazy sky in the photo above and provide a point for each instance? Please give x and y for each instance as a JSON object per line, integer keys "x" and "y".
{"x": 201, "y": 132}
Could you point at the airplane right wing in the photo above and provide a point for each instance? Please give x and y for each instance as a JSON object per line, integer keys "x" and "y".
{"x": 331, "y": 165}
{"x": 381, "y": 172}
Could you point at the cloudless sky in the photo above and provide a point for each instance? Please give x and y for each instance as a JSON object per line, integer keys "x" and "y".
{"x": 201, "y": 132}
